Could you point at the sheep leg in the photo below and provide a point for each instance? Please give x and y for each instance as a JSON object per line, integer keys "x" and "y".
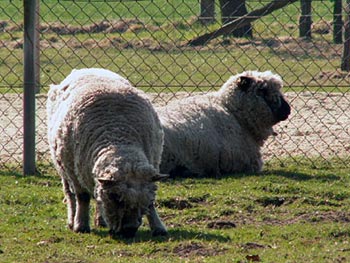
{"x": 156, "y": 225}
{"x": 81, "y": 219}
{"x": 99, "y": 220}
{"x": 69, "y": 199}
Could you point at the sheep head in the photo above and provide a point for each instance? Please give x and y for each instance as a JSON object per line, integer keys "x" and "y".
{"x": 268, "y": 92}
{"x": 256, "y": 100}
{"x": 126, "y": 196}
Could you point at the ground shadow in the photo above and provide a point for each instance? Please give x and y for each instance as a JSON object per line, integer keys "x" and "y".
{"x": 292, "y": 175}
{"x": 144, "y": 235}
{"x": 39, "y": 174}
{"x": 298, "y": 176}
{"x": 10, "y": 173}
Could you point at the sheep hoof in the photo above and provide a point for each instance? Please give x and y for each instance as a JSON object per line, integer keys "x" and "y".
{"x": 159, "y": 232}
{"x": 82, "y": 229}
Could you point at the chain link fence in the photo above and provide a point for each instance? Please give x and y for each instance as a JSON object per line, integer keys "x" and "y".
{"x": 150, "y": 42}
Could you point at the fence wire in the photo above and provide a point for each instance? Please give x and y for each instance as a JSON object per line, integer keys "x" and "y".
{"x": 148, "y": 43}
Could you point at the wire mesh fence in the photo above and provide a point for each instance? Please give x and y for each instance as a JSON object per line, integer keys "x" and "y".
{"x": 150, "y": 42}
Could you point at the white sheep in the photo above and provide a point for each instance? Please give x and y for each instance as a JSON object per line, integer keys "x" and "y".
{"x": 105, "y": 141}
{"x": 222, "y": 132}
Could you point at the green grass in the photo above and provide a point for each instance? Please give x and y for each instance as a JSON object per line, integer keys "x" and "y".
{"x": 158, "y": 10}
{"x": 177, "y": 69}
{"x": 290, "y": 214}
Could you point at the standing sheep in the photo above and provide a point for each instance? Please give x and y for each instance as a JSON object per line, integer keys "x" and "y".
{"x": 105, "y": 141}
{"x": 222, "y": 132}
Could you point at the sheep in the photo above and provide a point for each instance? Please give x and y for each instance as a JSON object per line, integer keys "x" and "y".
{"x": 105, "y": 140}
{"x": 222, "y": 132}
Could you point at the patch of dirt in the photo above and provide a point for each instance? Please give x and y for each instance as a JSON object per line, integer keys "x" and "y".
{"x": 10, "y": 26}
{"x": 322, "y": 27}
{"x": 322, "y": 216}
{"x": 284, "y": 46}
{"x": 3, "y": 25}
{"x": 326, "y": 75}
{"x": 253, "y": 258}
{"x": 180, "y": 203}
{"x": 196, "y": 249}
{"x": 199, "y": 199}
{"x": 104, "y": 26}
{"x": 175, "y": 203}
{"x": 240, "y": 219}
{"x": 252, "y": 245}
{"x": 271, "y": 201}
{"x": 220, "y": 224}
{"x": 318, "y": 126}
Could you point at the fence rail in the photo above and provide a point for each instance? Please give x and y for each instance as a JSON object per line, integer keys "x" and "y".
{"x": 151, "y": 44}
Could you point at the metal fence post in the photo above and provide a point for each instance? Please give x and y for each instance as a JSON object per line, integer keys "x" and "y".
{"x": 37, "y": 46}
{"x": 29, "y": 86}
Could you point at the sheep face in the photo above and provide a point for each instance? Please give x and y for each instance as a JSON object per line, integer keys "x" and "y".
{"x": 125, "y": 199}
{"x": 124, "y": 205}
{"x": 268, "y": 94}
{"x": 256, "y": 97}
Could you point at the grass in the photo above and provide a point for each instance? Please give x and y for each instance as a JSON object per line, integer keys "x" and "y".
{"x": 290, "y": 214}
{"x": 160, "y": 11}
{"x": 175, "y": 69}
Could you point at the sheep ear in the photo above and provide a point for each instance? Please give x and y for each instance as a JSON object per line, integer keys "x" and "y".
{"x": 159, "y": 177}
{"x": 244, "y": 83}
{"x": 148, "y": 171}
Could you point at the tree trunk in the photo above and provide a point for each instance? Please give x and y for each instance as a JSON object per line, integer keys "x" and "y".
{"x": 345, "y": 60}
{"x": 230, "y": 11}
{"x": 242, "y": 21}
{"x": 305, "y": 20}
{"x": 207, "y": 12}
{"x": 337, "y": 22}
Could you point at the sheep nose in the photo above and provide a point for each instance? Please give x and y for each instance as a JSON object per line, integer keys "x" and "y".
{"x": 128, "y": 232}
{"x": 283, "y": 111}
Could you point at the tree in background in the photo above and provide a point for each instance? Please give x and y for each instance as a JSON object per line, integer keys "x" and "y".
{"x": 207, "y": 12}
{"x": 337, "y": 22}
{"x": 231, "y": 10}
{"x": 305, "y": 20}
{"x": 240, "y": 22}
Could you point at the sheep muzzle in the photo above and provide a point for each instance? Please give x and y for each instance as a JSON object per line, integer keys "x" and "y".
{"x": 283, "y": 111}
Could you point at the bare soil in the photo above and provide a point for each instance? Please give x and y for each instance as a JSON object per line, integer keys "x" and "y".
{"x": 319, "y": 125}
{"x": 310, "y": 217}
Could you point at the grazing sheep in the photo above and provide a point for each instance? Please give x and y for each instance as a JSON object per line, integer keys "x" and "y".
{"x": 105, "y": 141}
{"x": 222, "y": 132}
